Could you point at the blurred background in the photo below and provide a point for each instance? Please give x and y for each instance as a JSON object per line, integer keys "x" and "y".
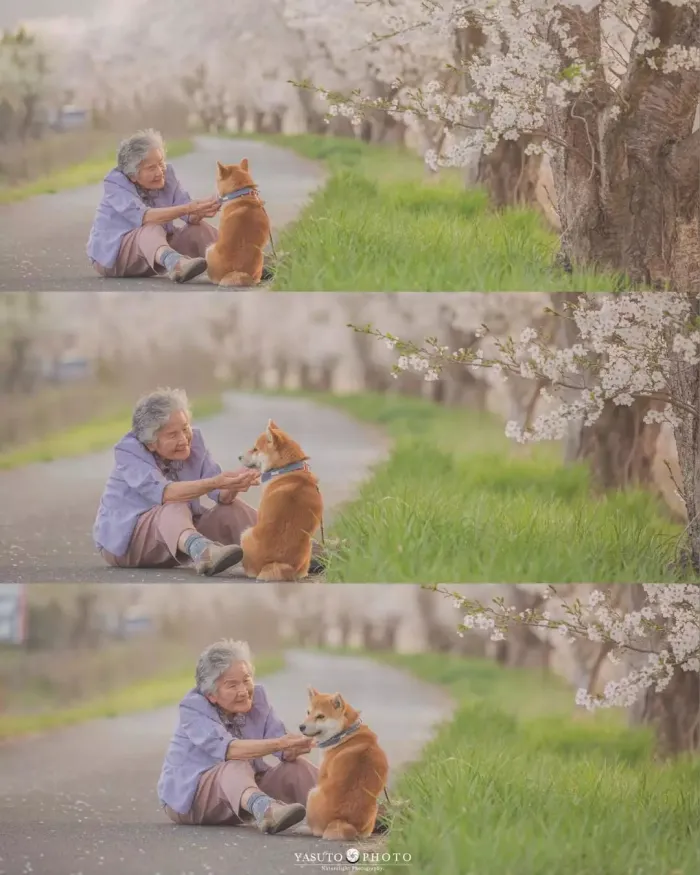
{"x": 74, "y": 77}
{"x": 66, "y": 647}
{"x": 72, "y": 362}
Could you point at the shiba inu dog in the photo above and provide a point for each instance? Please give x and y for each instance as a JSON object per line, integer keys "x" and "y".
{"x": 354, "y": 771}
{"x": 236, "y": 259}
{"x": 278, "y": 547}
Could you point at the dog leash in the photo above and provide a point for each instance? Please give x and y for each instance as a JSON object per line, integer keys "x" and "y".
{"x": 272, "y": 243}
{"x": 323, "y": 536}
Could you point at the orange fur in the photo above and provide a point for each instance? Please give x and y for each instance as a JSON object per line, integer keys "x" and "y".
{"x": 236, "y": 259}
{"x": 278, "y": 546}
{"x": 343, "y": 805}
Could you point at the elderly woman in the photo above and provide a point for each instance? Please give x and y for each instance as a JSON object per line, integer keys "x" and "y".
{"x": 133, "y": 234}
{"x": 214, "y": 772}
{"x": 150, "y": 515}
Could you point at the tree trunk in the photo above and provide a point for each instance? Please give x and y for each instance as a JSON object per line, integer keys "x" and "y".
{"x": 673, "y": 713}
{"x": 384, "y": 128}
{"x": 523, "y": 648}
{"x": 276, "y": 122}
{"x": 509, "y": 175}
{"x": 628, "y": 188}
{"x": 685, "y": 386}
{"x": 619, "y": 446}
{"x": 341, "y": 126}
{"x": 314, "y": 121}
{"x": 460, "y": 386}
{"x": 375, "y": 377}
{"x": 241, "y": 114}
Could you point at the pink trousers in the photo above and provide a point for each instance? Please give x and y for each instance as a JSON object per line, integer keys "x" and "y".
{"x": 138, "y": 249}
{"x": 154, "y": 542}
{"x": 217, "y": 801}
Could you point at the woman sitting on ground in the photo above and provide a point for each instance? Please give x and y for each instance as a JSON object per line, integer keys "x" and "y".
{"x": 150, "y": 515}
{"x": 213, "y": 772}
{"x": 133, "y": 234}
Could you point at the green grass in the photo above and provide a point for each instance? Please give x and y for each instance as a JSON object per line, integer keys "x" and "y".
{"x": 89, "y": 437}
{"x": 379, "y": 224}
{"x": 143, "y": 695}
{"x": 457, "y": 502}
{"x": 85, "y": 173}
{"x": 516, "y": 784}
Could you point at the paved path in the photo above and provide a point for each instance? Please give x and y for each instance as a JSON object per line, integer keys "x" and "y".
{"x": 43, "y": 244}
{"x": 82, "y": 801}
{"x": 48, "y": 509}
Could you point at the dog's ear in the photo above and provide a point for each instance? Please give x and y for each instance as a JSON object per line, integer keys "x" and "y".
{"x": 338, "y": 702}
{"x": 312, "y": 692}
{"x": 271, "y": 428}
{"x": 244, "y": 164}
{"x": 221, "y": 169}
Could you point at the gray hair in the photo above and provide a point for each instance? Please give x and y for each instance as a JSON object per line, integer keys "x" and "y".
{"x": 134, "y": 149}
{"x": 154, "y": 410}
{"x": 217, "y": 659}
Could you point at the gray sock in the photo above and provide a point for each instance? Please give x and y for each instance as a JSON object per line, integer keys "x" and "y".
{"x": 257, "y": 805}
{"x": 169, "y": 258}
{"x": 195, "y": 545}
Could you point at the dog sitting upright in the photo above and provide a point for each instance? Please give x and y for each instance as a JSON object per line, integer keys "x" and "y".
{"x": 343, "y": 806}
{"x": 236, "y": 259}
{"x": 278, "y": 546}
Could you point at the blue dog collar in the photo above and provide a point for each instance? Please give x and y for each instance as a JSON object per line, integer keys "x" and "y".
{"x": 334, "y": 739}
{"x": 274, "y": 472}
{"x": 241, "y": 192}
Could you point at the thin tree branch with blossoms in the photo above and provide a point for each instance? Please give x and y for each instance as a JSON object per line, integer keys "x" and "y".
{"x": 630, "y": 347}
{"x": 666, "y": 631}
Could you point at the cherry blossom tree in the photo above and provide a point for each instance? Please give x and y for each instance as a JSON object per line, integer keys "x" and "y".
{"x": 235, "y": 62}
{"x": 653, "y": 633}
{"x": 631, "y": 348}
{"x": 382, "y": 69}
{"x": 609, "y": 89}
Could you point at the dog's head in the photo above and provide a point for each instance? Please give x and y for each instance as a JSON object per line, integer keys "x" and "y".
{"x": 327, "y": 715}
{"x": 232, "y": 177}
{"x": 273, "y": 449}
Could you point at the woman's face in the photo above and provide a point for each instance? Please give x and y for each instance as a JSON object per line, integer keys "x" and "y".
{"x": 174, "y": 439}
{"x": 151, "y": 172}
{"x": 234, "y": 689}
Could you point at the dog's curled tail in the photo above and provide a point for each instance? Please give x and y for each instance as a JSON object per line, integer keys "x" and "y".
{"x": 340, "y": 831}
{"x": 277, "y": 571}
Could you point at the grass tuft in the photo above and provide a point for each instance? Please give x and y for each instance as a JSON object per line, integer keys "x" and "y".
{"x": 456, "y": 502}
{"x": 520, "y": 784}
{"x": 383, "y": 223}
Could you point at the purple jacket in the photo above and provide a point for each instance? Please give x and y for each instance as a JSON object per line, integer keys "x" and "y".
{"x": 136, "y": 484}
{"x": 121, "y": 210}
{"x": 200, "y": 741}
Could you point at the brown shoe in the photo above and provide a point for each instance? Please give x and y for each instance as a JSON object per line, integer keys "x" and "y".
{"x": 187, "y": 269}
{"x": 279, "y": 817}
{"x": 217, "y": 558}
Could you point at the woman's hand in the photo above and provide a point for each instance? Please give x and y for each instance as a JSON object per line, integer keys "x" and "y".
{"x": 293, "y": 746}
{"x": 206, "y": 208}
{"x": 236, "y": 481}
